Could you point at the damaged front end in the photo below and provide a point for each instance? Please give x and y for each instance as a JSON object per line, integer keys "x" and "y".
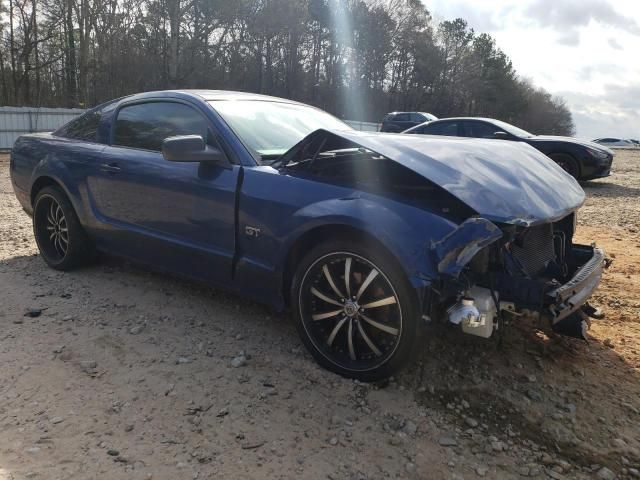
{"x": 489, "y": 270}
{"x": 514, "y": 254}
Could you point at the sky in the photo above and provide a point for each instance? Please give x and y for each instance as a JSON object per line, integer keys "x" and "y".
{"x": 587, "y": 51}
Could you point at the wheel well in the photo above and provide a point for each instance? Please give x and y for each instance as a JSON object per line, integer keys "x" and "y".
{"x": 568, "y": 155}
{"x": 39, "y": 184}
{"x": 318, "y": 235}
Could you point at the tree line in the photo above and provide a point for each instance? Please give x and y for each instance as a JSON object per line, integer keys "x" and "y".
{"x": 357, "y": 59}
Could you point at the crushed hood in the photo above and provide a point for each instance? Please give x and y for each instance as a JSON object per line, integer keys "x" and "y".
{"x": 505, "y": 182}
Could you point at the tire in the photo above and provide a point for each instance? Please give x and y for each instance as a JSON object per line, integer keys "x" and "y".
{"x": 381, "y": 318}
{"x": 63, "y": 243}
{"x": 568, "y": 164}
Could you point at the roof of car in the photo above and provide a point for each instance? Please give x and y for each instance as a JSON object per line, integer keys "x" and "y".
{"x": 210, "y": 95}
{"x": 467, "y": 118}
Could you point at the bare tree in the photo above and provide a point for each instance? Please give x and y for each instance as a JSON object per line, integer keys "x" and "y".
{"x": 354, "y": 58}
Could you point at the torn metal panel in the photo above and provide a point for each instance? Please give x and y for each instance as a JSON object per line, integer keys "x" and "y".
{"x": 502, "y": 181}
{"x": 457, "y": 249}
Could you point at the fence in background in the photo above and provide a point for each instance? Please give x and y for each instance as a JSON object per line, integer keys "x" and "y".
{"x": 364, "y": 126}
{"x": 16, "y": 121}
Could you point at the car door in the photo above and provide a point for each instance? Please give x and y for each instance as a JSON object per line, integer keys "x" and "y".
{"x": 416, "y": 119}
{"x": 175, "y": 215}
{"x": 402, "y": 121}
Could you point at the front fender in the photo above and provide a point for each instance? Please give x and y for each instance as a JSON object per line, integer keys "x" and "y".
{"x": 405, "y": 231}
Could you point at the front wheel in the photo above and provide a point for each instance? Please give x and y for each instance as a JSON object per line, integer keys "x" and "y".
{"x": 355, "y": 310}
{"x": 568, "y": 164}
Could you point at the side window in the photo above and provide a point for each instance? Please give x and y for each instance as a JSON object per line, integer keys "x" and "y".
{"x": 416, "y": 117}
{"x": 401, "y": 117}
{"x": 146, "y": 125}
{"x": 84, "y": 128}
{"x": 442, "y": 128}
{"x": 480, "y": 130}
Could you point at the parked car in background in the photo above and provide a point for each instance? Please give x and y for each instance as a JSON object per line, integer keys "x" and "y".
{"x": 581, "y": 159}
{"x": 615, "y": 142}
{"x": 364, "y": 236}
{"x": 397, "y": 122}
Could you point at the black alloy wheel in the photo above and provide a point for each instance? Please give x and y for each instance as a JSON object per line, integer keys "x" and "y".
{"x": 567, "y": 163}
{"x": 61, "y": 239}
{"x": 356, "y": 313}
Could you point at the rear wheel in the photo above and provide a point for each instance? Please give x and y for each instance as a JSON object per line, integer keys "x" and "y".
{"x": 61, "y": 239}
{"x": 568, "y": 164}
{"x": 355, "y": 310}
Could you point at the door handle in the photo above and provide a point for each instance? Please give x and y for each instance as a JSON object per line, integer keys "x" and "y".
{"x": 110, "y": 167}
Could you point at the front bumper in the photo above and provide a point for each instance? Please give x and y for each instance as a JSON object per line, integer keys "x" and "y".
{"x": 568, "y": 298}
{"x": 599, "y": 170}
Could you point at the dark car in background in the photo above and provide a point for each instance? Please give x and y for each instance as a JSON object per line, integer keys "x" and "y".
{"x": 584, "y": 160}
{"x": 397, "y": 122}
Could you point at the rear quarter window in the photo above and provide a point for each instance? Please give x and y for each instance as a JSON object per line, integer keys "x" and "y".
{"x": 84, "y": 128}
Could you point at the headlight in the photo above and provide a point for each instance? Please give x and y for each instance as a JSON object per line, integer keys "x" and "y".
{"x": 599, "y": 154}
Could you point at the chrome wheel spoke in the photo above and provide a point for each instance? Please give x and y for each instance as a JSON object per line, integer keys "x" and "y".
{"x": 52, "y": 213}
{"x": 367, "y": 281}
{"x": 56, "y": 245}
{"x": 59, "y": 214}
{"x": 380, "y": 326}
{"x": 327, "y": 275}
{"x": 368, "y": 341}
{"x": 347, "y": 275}
{"x": 352, "y": 352}
{"x": 322, "y": 316}
{"x": 380, "y": 303}
{"x": 53, "y": 229}
{"x": 334, "y": 332}
{"x": 322, "y": 296}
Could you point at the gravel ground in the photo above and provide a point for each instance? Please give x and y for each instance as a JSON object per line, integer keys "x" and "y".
{"x": 114, "y": 372}
{"x": 615, "y": 200}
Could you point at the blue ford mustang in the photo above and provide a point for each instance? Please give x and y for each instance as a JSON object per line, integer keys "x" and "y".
{"x": 365, "y": 237}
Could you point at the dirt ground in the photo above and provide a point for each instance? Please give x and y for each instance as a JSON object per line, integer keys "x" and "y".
{"x": 122, "y": 373}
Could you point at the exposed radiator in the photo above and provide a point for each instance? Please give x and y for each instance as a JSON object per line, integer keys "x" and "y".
{"x": 535, "y": 249}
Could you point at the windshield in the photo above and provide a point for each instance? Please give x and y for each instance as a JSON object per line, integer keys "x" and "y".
{"x": 272, "y": 128}
{"x": 507, "y": 127}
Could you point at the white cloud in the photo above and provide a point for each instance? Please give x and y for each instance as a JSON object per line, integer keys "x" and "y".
{"x": 584, "y": 50}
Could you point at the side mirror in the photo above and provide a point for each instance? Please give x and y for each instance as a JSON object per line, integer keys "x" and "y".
{"x": 191, "y": 148}
{"x": 501, "y": 135}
